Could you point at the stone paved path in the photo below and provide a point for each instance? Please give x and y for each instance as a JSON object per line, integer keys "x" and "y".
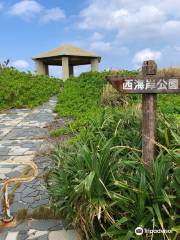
{"x": 23, "y": 135}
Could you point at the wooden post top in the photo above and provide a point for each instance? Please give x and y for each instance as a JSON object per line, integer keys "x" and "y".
{"x": 149, "y": 68}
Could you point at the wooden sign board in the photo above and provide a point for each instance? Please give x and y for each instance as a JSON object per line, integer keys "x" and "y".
{"x": 150, "y": 84}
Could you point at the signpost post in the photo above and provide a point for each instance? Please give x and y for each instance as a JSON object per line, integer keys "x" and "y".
{"x": 149, "y": 85}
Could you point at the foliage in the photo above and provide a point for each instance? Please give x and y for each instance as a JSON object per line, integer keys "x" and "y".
{"x": 169, "y": 72}
{"x": 169, "y": 104}
{"x": 20, "y": 89}
{"x": 111, "y": 97}
{"x": 99, "y": 181}
{"x": 102, "y": 186}
{"x": 42, "y": 212}
{"x": 82, "y": 98}
{"x": 124, "y": 73}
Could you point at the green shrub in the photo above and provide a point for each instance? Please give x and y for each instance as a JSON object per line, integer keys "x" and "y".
{"x": 101, "y": 185}
{"x": 124, "y": 73}
{"x": 20, "y": 89}
{"x": 80, "y": 99}
{"x": 83, "y": 98}
{"x": 169, "y": 104}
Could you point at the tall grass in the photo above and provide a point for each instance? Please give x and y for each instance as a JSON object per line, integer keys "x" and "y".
{"x": 102, "y": 186}
{"x": 111, "y": 97}
{"x": 169, "y": 72}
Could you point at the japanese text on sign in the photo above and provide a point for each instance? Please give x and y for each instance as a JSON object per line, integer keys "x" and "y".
{"x": 161, "y": 84}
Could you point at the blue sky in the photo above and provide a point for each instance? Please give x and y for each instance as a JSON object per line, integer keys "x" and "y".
{"x": 123, "y": 32}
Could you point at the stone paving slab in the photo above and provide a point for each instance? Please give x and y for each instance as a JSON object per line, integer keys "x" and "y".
{"x": 4, "y": 131}
{"x": 62, "y": 235}
{"x": 22, "y": 137}
{"x": 12, "y": 236}
{"x": 33, "y": 234}
{"x": 39, "y": 230}
{"x": 19, "y": 147}
{"x": 25, "y": 133}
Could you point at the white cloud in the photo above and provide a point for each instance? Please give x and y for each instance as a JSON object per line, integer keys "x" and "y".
{"x": 146, "y": 54}
{"x": 117, "y": 14}
{"x": 55, "y": 71}
{"x": 177, "y": 48}
{"x": 168, "y": 6}
{"x": 97, "y": 36}
{"x": 171, "y": 56}
{"x": 101, "y": 46}
{"x": 171, "y": 28}
{"x": 80, "y": 69}
{"x": 53, "y": 14}
{"x": 132, "y": 21}
{"x": 26, "y": 8}
{"x": 20, "y": 64}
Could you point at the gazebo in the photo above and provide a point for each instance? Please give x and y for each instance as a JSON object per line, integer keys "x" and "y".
{"x": 66, "y": 56}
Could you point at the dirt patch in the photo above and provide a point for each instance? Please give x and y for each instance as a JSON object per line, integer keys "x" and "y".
{"x": 57, "y": 124}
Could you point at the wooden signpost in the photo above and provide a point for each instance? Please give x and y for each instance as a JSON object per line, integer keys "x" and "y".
{"x": 149, "y": 85}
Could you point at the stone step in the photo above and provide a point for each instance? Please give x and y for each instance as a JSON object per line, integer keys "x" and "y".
{"x": 33, "y": 234}
{"x": 39, "y": 230}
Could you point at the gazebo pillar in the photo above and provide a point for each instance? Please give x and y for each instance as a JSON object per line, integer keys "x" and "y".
{"x": 46, "y": 69}
{"x": 71, "y": 70}
{"x": 40, "y": 67}
{"x": 94, "y": 65}
{"x": 65, "y": 68}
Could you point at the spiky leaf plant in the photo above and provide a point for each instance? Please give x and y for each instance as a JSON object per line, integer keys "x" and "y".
{"x": 101, "y": 185}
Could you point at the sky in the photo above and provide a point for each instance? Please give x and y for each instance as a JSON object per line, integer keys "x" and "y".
{"x": 123, "y": 32}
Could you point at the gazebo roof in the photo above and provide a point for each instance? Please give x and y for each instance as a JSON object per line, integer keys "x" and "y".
{"x": 66, "y": 50}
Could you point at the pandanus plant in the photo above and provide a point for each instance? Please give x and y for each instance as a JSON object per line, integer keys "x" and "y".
{"x": 102, "y": 186}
